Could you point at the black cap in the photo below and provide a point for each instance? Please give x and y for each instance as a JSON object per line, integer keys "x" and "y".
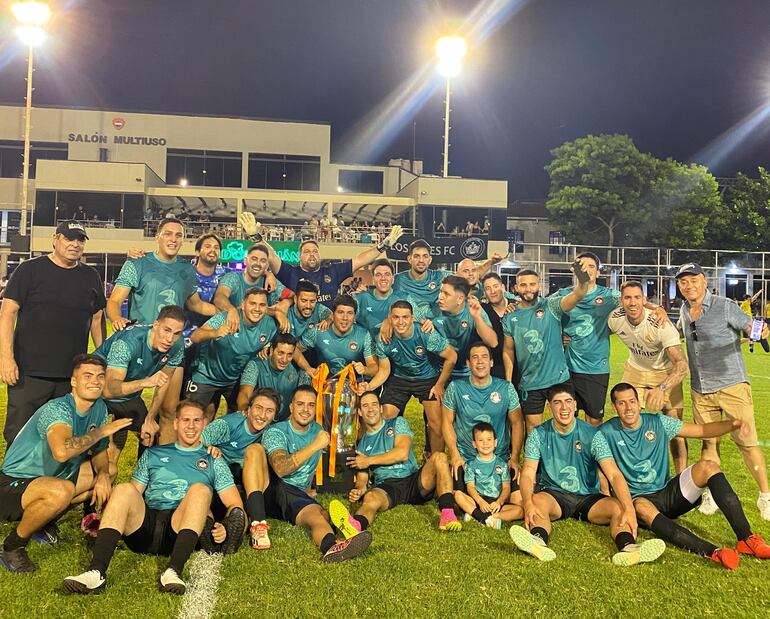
{"x": 690, "y": 269}
{"x": 72, "y": 230}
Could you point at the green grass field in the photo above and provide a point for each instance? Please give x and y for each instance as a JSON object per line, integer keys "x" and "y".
{"x": 413, "y": 570}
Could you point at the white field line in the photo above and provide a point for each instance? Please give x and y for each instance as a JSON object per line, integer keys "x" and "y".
{"x": 201, "y": 595}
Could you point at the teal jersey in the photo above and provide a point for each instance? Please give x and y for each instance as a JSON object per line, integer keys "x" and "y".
{"x": 231, "y": 434}
{"x": 373, "y": 310}
{"x": 261, "y": 373}
{"x": 568, "y": 462}
{"x": 236, "y": 282}
{"x": 382, "y": 441}
{"x": 30, "y": 456}
{"x": 299, "y": 324}
{"x": 168, "y": 471}
{"x": 414, "y": 357}
{"x": 589, "y": 348}
{"x": 423, "y": 291}
{"x": 283, "y": 436}
{"x": 537, "y": 343}
{"x": 338, "y": 350}
{"x": 642, "y": 453}
{"x": 130, "y": 350}
{"x": 156, "y": 283}
{"x": 472, "y": 404}
{"x": 220, "y": 361}
{"x": 460, "y": 330}
{"x": 488, "y": 476}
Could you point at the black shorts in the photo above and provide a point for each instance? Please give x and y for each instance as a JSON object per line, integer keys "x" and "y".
{"x": 134, "y": 409}
{"x": 211, "y": 394}
{"x": 533, "y": 402}
{"x": 459, "y": 483}
{"x": 591, "y": 393}
{"x": 155, "y": 536}
{"x": 405, "y": 490}
{"x": 398, "y": 391}
{"x": 284, "y": 501}
{"x": 572, "y": 505}
{"x": 670, "y": 501}
{"x": 11, "y": 491}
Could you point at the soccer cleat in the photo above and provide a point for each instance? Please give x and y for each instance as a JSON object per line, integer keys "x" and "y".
{"x": 235, "y": 524}
{"x": 531, "y": 544}
{"x": 170, "y": 582}
{"x": 258, "y": 536}
{"x": 493, "y": 522}
{"x": 708, "y": 505}
{"x": 90, "y": 524}
{"x": 349, "y": 548}
{"x": 448, "y": 521}
{"x": 48, "y": 535}
{"x": 764, "y": 508}
{"x": 342, "y": 520}
{"x": 17, "y": 561}
{"x": 206, "y": 540}
{"x": 727, "y": 557}
{"x": 633, "y": 554}
{"x": 467, "y": 518}
{"x": 755, "y": 546}
{"x": 87, "y": 582}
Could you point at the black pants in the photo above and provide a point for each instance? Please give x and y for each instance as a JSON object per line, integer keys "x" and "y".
{"x": 25, "y": 397}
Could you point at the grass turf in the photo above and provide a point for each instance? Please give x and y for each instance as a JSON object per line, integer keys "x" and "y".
{"x": 412, "y": 569}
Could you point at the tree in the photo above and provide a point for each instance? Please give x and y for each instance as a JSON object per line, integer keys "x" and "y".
{"x": 744, "y": 222}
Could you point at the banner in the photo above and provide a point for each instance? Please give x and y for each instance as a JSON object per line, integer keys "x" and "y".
{"x": 449, "y": 249}
{"x": 234, "y": 250}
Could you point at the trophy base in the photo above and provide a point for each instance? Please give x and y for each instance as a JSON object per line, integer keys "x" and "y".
{"x": 343, "y": 481}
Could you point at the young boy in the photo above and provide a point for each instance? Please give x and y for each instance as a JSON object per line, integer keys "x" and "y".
{"x": 487, "y": 483}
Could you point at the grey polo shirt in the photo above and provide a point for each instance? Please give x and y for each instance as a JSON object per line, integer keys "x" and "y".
{"x": 715, "y": 359}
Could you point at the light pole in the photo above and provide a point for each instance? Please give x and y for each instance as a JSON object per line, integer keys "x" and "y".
{"x": 450, "y": 51}
{"x": 32, "y": 16}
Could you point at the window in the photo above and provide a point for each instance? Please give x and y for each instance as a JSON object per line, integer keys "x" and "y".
{"x": 12, "y": 156}
{"x": 516, "y": 241}
{"x": 360, "y": 181}
{"x": 206, "y": 168}
{"x": 556, "y": 240}
{"x": 99, "y": 209}
{"x": 275, "y": 171}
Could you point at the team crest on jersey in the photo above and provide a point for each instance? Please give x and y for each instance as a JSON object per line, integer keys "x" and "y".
{"x": 311, "y": 325}
{"x": 419, "y": 350}
{"x": 495, "y": 397}
{"x": 327, "y": 279}
{"x": 92, "y": 427}
{"x": 164, "y": 359}
{"x": 539, "y": 313}
{"x": 649, "y": 435}
{"x": 353, "y": 346}
{"x": 499, "y": 469}
{"x": 202, "y": 464}
{"x": 390, "y": 432}
{"x": 599, "y": 300}
{"x": 578, "y": 446}
{"x": 432, "y": 286}
{"x": 262, "y": 338}
{"x": 464, "y": 324}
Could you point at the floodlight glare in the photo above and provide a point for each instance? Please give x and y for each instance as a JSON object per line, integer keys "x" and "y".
{"x": 448, "y": 68}
{"x": 31, "y": 36}
{"x": 31, "y": 13}
{"x": 451, "y": 49}
{"x": 183, "y": 182}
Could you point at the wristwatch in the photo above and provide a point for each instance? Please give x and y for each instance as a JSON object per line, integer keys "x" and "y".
{"x": 663, "y": 386}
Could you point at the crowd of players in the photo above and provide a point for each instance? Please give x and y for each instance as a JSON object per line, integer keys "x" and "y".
{"x": 482, "y": 363}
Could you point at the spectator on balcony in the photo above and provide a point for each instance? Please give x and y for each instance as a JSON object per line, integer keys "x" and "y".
{"x": 440, "y": 227}
{"x": 80, "y": 214}
{"x": 468, "y": 228}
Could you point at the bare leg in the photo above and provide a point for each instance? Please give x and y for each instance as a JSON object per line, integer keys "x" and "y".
{"x": 168, "y": 408}
{"x": 533, "y": 421}
{"x": 192, "y": 511}
{"x": 389, "y": 411}
{"x": 43, "y": 500}
{"x": 433, "y": 413}
{"x": 678, "y": 445}
{"x": 755, "y": 462}
{"x": 436, "y": 474}
{"x": 124, "y": 511}
{"x": 314, "y": 518}
{"x": 255, "y": 471}
{"x": 374, "y": 501}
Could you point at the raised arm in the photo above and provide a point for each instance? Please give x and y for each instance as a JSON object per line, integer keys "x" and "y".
{"x": 481, "y": 322}
{"x": 64, "y": 446}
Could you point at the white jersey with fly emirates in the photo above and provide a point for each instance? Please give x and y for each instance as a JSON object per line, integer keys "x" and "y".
{"x": 646, "y": 342}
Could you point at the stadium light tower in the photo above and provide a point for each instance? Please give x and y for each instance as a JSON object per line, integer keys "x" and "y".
{"x": 450, "y": 51}
{"x": 32, "y": 17}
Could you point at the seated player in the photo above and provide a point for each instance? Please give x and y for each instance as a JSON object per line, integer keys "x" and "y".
{"x": 487, "y": 483}
{"x": 385, "y": 454}
{"x": 639, "y": 446}
{"x": 163, "y": 509}
{"x": 564, "y": 455}
{"x": 293, "y": 450}
{"x": 223, "y": 354}
{"x": 47, "y": 468}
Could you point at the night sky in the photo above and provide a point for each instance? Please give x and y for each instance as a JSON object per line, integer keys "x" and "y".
{"x": 676, "y": 75}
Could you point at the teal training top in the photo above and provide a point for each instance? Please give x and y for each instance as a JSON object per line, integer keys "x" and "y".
{"x": 283, "y": 436}
{"x": 488, "y": 476}
{"x": 261, "y": 373}
{"x": 642, "y": 454}
{"x": 299, "y": 325}
{"x": 232, "y": 435}
{"x": 423, "y": 291}
{"x": 338, "y": 350}
{"x": 156, "y": 283}
{"x": 382, "y": 441}
{"x": 414, "y": 357}
{"x": 30, "y": 456}
{"x": 236, "y": 282}
{"x": 460, "y": 330}
{"x": 373, "y": 310}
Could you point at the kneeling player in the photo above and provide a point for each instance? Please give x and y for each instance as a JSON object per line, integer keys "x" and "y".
{"x": 639, "y": 445}
{"x": 487, "y": 483}
{"x": 293, "y": 449}
{"x": 385, "y": 453}
{"x": 162, "y": 510}
{"x": 565, "y": 454}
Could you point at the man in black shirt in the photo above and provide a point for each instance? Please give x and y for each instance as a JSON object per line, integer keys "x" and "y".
{"x": 55, "y": 301}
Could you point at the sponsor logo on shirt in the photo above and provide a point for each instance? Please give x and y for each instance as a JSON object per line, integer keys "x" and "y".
{"x": 622, "y": 443}
{"x": 202, "y": 464}
{"x": 368, "y": 448}
{"x": 495, "y": 397}
{"x": 649, "y": 435}
{"x": 466, "y": 396}
{"x": 538, "y": 314}
{"x": 368, "y": 309}
{"x": 234, "y": 443}
{"x": 419, "y": 350}
{"x": 578, "y": 446}
{"x": 164, "y": 459}
{"x": 327, "y": 342}
{"x": 140, "y": 361}
{"x": 390, "y": 432}
{"x": 353, "y": 346}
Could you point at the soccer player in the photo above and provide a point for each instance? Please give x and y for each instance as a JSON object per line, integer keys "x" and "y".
{"x": 276, "y": 372}
{"x": 163, "y": 509}
{"x": 293, "y": 450}
{"x": 638, "y": 445}
{"x": 420, "y": 282}
{"x": 223, "y": 354}
{"x": 481, "y": 397}
{"x": 384, "y": 453}
{"x": 343, "y": 343}
{"x": 474, "y": 273}
{"x": 49, "y": 308}
{"x": 374, "y": 305}
{"x": 47, "y": 468}
{"x": 209, "y": 273}
{"x": 416, "y": 364}
{"x": 307, "y": 312}
{"x": 487, "y": 483}
{"x": 656, "y": 364}
{"x": 564, "y": 455}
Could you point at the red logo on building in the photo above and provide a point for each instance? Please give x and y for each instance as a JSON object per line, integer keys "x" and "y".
{"x": 118, "y": 123}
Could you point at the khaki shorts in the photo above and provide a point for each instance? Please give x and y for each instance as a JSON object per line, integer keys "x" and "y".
{"x": 734, "y": 402}
{"x": 644, "y": 380}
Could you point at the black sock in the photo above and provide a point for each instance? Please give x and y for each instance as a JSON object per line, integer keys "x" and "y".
{"x": 363, "y": 521}
{"x": 479, "y": 515}
{"x": 185, "y": 543}
{"x": 119, "y": 438}
{"x": 14, "y": 541}
{"x": 446, "y": 501}
{"x": 104, "y": 548}
{"x": 730, "y": 504}
{"x": 140, "y": 450}
{"x": 669, "y": 531}
{"x": 255, "y": 506}
{"x": 88, "y": 508}
{"x": 540, "y": 532}
{"x": 327, "y": 542}
{"x": 623, "y": 539}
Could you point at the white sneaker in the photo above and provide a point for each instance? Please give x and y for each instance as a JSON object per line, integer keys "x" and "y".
{"x": 764, "y": 508}
{"x": 708, "y": 506}
{"x": 493, "y": 522}
{"x": 87, "y": 582}
{"x": 467, "y": 518}
{"x": 171, "y": 583}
